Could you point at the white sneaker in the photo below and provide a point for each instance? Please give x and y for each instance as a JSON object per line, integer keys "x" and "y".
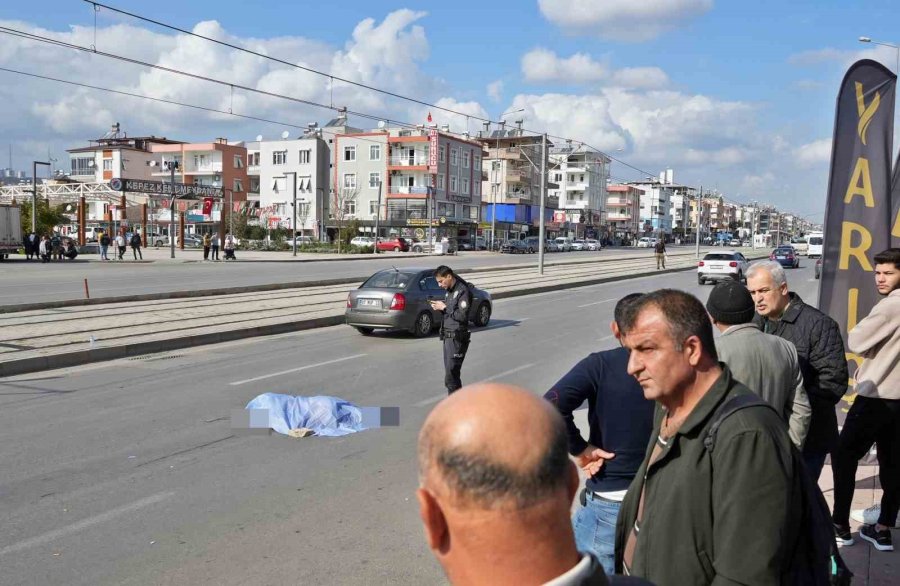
{"x": 869, "y": 516}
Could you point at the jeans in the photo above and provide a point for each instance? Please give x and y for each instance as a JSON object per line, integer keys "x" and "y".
{"x": 814, "y": 461}
{"x": 870, "y": 421}
{"x": 595, "y": 529}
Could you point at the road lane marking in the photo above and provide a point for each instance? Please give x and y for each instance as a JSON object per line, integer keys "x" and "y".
{"x": 298, "y": 369}
{"x": 596, "y": 303}
{"x": 605, "y": 338}
{"x": 436, "y": 398}
{"x": 85, "y": 523}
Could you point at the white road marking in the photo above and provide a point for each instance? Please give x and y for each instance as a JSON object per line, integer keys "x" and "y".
{"x": 298, "y": 369}
{"x": 429, "y": 401}
{"x": 515, "y": 321}
{"x": 596, "y": 302}
{"x": 605, "y": 338}
{"x": 85, "y": 523}
{"x": 510, "y": 371}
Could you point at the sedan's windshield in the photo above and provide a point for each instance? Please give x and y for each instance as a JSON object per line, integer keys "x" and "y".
{"x": 388, "y": 280}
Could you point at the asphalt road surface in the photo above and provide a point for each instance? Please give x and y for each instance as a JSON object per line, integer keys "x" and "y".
{"x": 33, "y": 282}
{"x": 129, "y": 472}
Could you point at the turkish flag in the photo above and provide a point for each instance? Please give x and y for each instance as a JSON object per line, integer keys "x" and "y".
{"x": 207, "y": 206}
{"x": 429, "y": 116}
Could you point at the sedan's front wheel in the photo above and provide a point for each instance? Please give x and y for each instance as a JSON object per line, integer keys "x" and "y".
{"x": 423, "y": 325}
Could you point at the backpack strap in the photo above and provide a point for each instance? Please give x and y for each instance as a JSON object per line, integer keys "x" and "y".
{"x": 727, "y": 408}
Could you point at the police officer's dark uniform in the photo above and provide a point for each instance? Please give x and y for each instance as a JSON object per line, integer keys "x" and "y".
{"x": 455, "y": 332}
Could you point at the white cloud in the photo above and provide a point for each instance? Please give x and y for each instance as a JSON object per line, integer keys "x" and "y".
{"x": 640, "y": 78}
{"x": 543, "y": 65}
{"x": 495, "y": 90}
{"x": 814, "y": 153}
{"x": 623, "y": 20}
{"x": 817, "y": 56}
{"x": 887, "y": 56}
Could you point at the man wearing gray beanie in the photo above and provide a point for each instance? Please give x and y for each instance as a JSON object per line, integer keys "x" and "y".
{"x": 766, "y": 364}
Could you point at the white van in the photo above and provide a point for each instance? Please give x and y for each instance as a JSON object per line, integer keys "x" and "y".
{"x": 564, "y": 244}
{"x": 800, "y": 245}
{"x": 814, "y": 244}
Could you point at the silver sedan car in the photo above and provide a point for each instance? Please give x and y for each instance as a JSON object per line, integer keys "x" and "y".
{"x": 397, "y": 299}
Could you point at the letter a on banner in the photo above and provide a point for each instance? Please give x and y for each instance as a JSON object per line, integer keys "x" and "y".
{"x": 858, "y": 210}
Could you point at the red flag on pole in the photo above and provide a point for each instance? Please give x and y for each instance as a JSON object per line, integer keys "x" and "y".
{"x": 207, "y": 206}
{"x": 429, "y": 116}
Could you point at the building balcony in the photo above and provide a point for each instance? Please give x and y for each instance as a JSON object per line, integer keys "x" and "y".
{"x": 580, "y": 204}
{"x": 513, "y": 176}
{"x": 253, "y": 170}
{"x": 509, "y": 154}
{"x": 420, "y": 160}
{"x": 576, "y": 186}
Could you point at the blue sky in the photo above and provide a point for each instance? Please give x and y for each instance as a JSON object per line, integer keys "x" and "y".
{"x": 738, "y": 95}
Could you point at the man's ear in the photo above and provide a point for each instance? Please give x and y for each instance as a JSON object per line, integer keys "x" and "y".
{"x": 614, "y": 328}
{"x": 433, "y": 519}
{"x": 694, "y": 348}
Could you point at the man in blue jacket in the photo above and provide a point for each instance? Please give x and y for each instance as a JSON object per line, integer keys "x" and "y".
{"x": 621, "y": 421}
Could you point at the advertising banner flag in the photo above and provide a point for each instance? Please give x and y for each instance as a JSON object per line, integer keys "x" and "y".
{"x": 858, "y": 208}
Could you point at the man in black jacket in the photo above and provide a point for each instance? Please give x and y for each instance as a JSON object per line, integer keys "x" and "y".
{"x": 455, "y": 324}
{"x": 819, "y": 347}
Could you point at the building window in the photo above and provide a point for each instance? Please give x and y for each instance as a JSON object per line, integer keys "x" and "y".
{"x": 279, "y": 184}
{"x": 350, "y": 208}
{"x": 238, "y": 162}
{"x": 470, "y": 212}
{"x": 440, "y": 182}
{"x": 350, "y": 153}
{"x": 107, "y": 164}
{"x": 279, "y": 157}
{"x": 201, "y": 161}
{"x": 477, "y": 189}
{"x": 465, "y": 186}
{"x": 453, "y": 184}
{"x": 441, "y": 154}
{"x": 375, "y": 152}
{"x": 304, "y": 157}
{"x": 374, "y": 179}
{"x": 349, "y": 180}
{"x": 252, "y": 159}
{"x": 238, "y": 184}
{"x": 254, "y": 185}
{"x": 446, "y": 209}
{"x": 454, "y": 156}
{"x": 81, "y": 166}
{"x": 373, "y": 208}
{"x": 466, "y": 156}
{"x": 478, "y": 162}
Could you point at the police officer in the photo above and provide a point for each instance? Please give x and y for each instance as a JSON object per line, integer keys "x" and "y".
{"x": 455, "y": 324}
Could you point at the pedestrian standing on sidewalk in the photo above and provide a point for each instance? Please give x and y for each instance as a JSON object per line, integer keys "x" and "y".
{"x": 44, "y": 249}
{"x": 874, "y": 417}
{"x": 215, "y": 246}
{"x": 104, "y": 246}
{"x": 229, "y": 247}
{"x": 620, "y": 421}
{"x": 120, "y": 243}
{"x": 820, "y": 348}
{"x": 136, "y": 245}
{"x": 206, "y": 246}
{"x": 660, "y": 252}
{"x": 56, "y": 246}
{"x": 454, "y": 325}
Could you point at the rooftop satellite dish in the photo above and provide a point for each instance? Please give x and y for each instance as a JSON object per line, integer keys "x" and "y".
{"x": 285, "y": 134}
{"x": 381, "y": 124}
{"x": 258, "y": 138}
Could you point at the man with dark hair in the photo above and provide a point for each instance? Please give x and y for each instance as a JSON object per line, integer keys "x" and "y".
{"x": 496, "y": 508}
{"x": 693, "y": 513}
{"x": 767, "y": 364}
{"x": 820, "y": 349}
{"x": 455, "y": 324}
{"x": 620, "y": 421}
{"x": 875, "y": 414}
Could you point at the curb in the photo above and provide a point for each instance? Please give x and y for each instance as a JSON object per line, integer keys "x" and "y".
{"x": 68, "y": 359}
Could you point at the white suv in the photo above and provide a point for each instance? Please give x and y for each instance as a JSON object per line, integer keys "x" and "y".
{"x": 727, "y": 264}
{"x": 363, "y": 241}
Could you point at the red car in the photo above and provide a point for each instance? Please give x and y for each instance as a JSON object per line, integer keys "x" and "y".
{"x": 395, "y": 244}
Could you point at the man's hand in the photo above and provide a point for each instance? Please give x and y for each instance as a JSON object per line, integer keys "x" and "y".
{"x": 438, "y": 305}
{"x": 592, "y": 459}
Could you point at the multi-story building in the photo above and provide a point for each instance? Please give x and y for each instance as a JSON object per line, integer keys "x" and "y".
{"x": 420, "y": 174}
{"x": 253, "y": 170}
{"x": 623, "y": 205}
{"x": 579, "y": 177}
{"x": 656, "y": 205}
{"x": 302, "y": 164}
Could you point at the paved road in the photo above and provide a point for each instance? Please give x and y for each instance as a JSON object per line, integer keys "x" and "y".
{"x": 128, "y": 472}
{"x": 24, "y": 282}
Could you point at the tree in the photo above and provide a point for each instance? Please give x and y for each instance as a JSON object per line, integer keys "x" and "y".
{"x": 47, "y": 217}
{"x": 344, "y": 202}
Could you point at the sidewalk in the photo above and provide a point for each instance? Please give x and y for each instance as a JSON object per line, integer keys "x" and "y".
{"x": 42, "y": 339}
{"x": 190, "y": 255}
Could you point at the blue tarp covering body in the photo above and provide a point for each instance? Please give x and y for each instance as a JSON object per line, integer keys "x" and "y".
{"x": 327, "y": 416}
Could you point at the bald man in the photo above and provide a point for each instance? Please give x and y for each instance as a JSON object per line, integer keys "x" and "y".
{"x": 495, "y": 490}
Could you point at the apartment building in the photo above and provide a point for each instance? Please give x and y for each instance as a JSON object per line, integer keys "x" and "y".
{"x": 655, "y": 207}
{"x": 420, "y": 173}
{"x": 623, "y": 205}
{"x": 579, "y": 177}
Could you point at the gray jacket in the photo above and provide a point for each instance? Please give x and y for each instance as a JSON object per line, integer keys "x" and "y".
{"x": 768, "y": 366}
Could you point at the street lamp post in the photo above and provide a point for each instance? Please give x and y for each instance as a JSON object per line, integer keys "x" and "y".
{"x": 892, "y": 46}
{"x": 378, "y": 216}
{"x": 34, "y": 167}
{"x": 293, "y": 174}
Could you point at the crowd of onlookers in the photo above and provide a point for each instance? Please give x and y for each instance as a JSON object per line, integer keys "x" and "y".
{"x": 703, "y": 451}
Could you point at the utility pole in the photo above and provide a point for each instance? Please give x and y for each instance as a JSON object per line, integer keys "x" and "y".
{"x": 699, "y": 219}
{"x": 293, "y": 174}
{"x": 378, "y": 214}
{"x": 543, "y": 194}
{"x": 172, "y": 165}
{"x": 34, "y": 167}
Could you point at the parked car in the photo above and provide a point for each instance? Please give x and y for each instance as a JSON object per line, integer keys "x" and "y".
{"x": 551, "y": 246}
{"x": 532, "y": 243}
{"x": 394, "y": 244}
{"x": 727, "y": 264}
{"x": 593, "y": 244}
{"x": 564, "y": 244}
{"x": 301, "y": 240}
{"x": 514, "y": 247}
{"x": 819, "y": 268}
{"x": 579, "y": 245}
{"x": 647, "y": 242}
{"x": 734, "y": 242}
{"x": 466, "y": 245}
{"x": 398, "y": 299}
{"x": 786, "y": 256}
{"x": 363, "y": 242}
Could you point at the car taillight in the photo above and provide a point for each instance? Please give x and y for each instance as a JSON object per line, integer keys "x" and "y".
{"x": 772, "y": 256}
{"x": 701, "y": 264}
{"x": 399, "y": 301}
{"x": 732, "y": 264}
{"x": 348, "y": 301}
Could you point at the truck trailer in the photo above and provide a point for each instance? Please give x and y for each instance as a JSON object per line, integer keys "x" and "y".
{"x": 10, "y": 230}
